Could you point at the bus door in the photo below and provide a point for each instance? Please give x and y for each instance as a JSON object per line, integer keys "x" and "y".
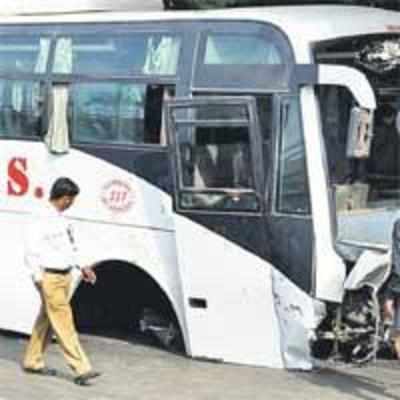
{"x": 216, "y": 156}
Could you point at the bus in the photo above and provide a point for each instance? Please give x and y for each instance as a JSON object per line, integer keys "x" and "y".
{"x": 233, "y": 166}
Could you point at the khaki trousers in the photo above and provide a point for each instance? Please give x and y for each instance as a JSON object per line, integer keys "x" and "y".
{"x": 56, "y": 316}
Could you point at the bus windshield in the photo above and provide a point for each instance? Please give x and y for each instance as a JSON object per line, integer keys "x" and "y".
{"x": 370, "y": 182}
{"x": 366, "y": 183}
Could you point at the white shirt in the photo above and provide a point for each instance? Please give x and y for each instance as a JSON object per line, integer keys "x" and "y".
{"x": 49, "y": 243}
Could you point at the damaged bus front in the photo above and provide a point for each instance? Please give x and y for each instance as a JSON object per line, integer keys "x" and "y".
{"x": 359, "y": 101}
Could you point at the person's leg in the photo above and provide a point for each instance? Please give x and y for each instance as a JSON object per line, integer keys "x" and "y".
{"x": 59, "y": 312}
{"x": 396, "y": 343}
{"x": 41, "y": 334}
{"x": 396, "y": 330}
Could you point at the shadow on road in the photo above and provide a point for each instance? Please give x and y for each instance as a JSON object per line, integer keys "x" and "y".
{"x": 14, "y": 346}
{"x": 353, "y": 381}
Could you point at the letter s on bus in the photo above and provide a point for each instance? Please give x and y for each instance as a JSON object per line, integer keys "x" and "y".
{"x": 18, "y": 182}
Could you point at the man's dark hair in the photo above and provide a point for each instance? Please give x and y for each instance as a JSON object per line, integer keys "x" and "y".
{"x": 63, "y": 187}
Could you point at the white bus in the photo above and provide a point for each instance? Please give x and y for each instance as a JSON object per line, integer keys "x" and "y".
{"x": 228, "y": 179}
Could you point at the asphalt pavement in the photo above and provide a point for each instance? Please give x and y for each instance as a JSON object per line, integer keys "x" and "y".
{"x": 135, "y": 369}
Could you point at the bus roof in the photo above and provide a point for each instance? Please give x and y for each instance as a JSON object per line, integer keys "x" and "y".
{"x": 304, "y": 25}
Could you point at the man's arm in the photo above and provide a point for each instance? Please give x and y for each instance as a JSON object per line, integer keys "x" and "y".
{"x": 32, "y": 256}
{"x": 87, "y": 271}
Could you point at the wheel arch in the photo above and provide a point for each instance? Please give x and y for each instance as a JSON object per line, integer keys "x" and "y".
{"x": 117, "y": 280}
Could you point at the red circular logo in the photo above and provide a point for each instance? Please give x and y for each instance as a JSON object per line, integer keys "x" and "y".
{"x": 117, "y": 196}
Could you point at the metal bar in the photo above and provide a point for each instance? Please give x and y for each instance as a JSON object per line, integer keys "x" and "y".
{"x": 217, "y": 123}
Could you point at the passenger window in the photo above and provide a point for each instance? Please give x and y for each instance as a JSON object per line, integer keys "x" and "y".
{"x": 20, "y": 108}
{"x": 117, "y": 54}
{"x": 240, "y": 49}
{"x": 293, "y": 193}
{"x": 261, "y": 55}
{"x": 117, "y": 113}
{"x": 21, "y": 98}
{"x": 24, "y": 54}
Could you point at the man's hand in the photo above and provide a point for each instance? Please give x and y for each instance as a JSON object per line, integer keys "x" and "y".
{"x": 88, "y": 275}
{"x": 39, "y": 288}
{"x": 38, "y": 285}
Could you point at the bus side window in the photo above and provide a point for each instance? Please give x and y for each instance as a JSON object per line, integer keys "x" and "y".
{"x": 117, "y": 104}
{"x": 293, "y": 189}
{"x": 20, "y": 108}
{"x": 116, "y": 113}
{"x": 22, "y": 56}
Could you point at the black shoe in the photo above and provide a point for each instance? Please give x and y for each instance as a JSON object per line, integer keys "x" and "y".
{"x": 41, "y": 371}
{"x": 93, "y": 374}
{"x": 84, "y": 379}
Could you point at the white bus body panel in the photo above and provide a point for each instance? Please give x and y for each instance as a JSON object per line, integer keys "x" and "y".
{"x": 354, "y": 80}
{"x": 254, "y": 314}
{"x": 243, "y": 321}
{"x": 141, "y": 235}
{"x": 303, "y": 25}
{"x": 330, "y": 270}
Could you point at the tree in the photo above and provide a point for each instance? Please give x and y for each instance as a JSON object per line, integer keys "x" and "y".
{"x": 209, "y": 4}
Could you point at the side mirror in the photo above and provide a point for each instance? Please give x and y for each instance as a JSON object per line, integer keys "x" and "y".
{"x": 360, "y": 132}
{"x": 398, "y": 122}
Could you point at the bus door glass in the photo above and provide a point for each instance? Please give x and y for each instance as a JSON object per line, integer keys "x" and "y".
{"x": 214, "y": 152}
{"x": 217, "y": 160}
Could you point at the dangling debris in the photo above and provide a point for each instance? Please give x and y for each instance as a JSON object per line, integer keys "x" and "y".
{"x": 380, "y": 56}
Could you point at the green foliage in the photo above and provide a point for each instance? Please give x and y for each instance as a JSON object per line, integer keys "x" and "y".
{"x": 210, "y": 4}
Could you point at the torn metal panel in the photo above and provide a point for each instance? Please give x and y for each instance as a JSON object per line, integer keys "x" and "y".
{"x": 372, "y": 269}
{"x": 380, "y": 56}
{"x": 356, "y": 329}
{"x": 298, "y": 316}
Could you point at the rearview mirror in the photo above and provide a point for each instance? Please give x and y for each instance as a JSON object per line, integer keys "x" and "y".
{"x": 360, "y": 132}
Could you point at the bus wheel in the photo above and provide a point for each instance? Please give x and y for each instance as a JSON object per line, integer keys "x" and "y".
{"x": 162, "y": 328}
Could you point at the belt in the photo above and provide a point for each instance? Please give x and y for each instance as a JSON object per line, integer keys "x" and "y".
{"x": 58, "y": 271}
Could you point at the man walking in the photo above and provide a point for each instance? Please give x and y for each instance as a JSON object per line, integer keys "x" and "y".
{"x": 50, "y": 254}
